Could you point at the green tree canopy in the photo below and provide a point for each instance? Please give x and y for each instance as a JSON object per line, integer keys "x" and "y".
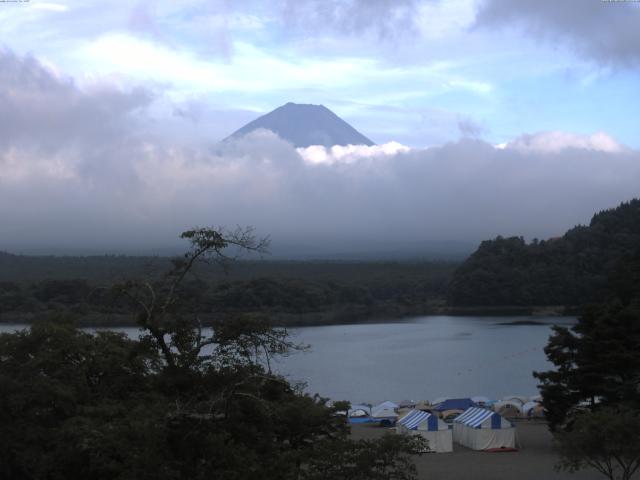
{"x": 597, "y": 360}
{"x": 592, "y": 397}
{"x": 569, "y": 270}
{"x": 177, "y": 402}
{"x": 607, "y": 440}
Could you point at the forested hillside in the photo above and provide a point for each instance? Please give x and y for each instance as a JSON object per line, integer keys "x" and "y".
{"x": 570, "y": 270}
{"x": 289, "y": 292}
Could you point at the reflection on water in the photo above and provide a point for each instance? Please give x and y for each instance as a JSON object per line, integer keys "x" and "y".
{"x": 423, "y": 358}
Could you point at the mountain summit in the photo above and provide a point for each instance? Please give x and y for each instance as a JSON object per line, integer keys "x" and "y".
{"x": 304, "y": 125}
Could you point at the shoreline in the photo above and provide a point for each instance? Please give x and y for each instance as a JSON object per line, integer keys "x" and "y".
{"x": 347, "y": 316}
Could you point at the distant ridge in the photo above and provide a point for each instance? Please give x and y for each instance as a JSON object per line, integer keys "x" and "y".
{"x": 304, "y": 125}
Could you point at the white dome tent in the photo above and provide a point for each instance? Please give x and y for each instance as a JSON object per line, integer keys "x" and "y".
{"x": 386, "y": 413}
{"x": 384, "y": 406}
{"x": 518, "y": 399}
{"x": 359, "y": 414}
{"x": 481, "y": 429}
{"x": 508, "y": 408}
{"x": 430, "y": 427}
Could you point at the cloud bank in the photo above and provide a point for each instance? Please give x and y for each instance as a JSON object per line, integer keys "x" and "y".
{"x": 604, "y": 31}
{"x": 84, "y": 168}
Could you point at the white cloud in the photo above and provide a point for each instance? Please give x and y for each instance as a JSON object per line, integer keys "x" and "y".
{"x": 604, "y": 31}
{"x": 318, "y": 154}
{"x": 20, "y": 165}
{"x": 441, "y": 19}
{"x": 252, "y": 70}
{"x": 554, "y": 142}
{"x": 183, "y": 73}
{"x": 77, "y": 169}
{"x": 143, "y": 192}
{"x": 471, "y": 85}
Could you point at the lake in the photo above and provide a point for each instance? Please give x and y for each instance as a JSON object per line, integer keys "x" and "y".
{"x": 418, "y": 358}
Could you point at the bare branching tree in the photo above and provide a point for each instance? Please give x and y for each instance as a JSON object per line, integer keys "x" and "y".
{"x": 179, "y": 339}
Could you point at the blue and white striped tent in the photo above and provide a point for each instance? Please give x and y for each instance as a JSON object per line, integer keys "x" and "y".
{"x": 418, "y": 418}
{"x": 482, "y": 429}
{"x": 474, "y": 417}
{"x": 430, "y": 427}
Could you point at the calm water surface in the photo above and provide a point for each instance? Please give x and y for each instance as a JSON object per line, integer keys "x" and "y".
{"x": 420, "y": 358}
{"x": 424, "y": 358}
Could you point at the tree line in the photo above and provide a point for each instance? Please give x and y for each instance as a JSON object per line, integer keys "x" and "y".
{"x": 571, "y": 270}
{"x": 341, "y": 293}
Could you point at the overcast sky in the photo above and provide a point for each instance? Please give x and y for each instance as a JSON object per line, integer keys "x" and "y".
{"x": 491, "y": 116}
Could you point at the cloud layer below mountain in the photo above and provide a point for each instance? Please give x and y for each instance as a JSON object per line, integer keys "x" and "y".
{"x": 85, "y": 168}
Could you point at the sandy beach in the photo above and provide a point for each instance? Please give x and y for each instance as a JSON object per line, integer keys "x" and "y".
{"x": 534, "y": 461}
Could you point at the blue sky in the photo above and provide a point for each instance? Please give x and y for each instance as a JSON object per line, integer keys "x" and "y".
{"x": 410, "y": 71}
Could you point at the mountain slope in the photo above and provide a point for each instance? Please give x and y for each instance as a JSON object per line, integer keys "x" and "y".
{"x": 304, "y": 125}
{"x": 572, "y": 270}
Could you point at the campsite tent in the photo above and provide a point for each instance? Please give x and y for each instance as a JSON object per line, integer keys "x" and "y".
{"x": 480, "y": 400}
{"x": 453, "y": 407}
{"x": 449, "y": 415}
{"x": 424, "y": 405}
{"x": 384, "y": 406}
{"x": 533, "y": 409}
{"x": 386, "y": 417}
{"x": 516, "y": 399}
{"x": 508, "y": 408}
{"x": 455, "y": 404}
{"x": 481, "y": 429}
{"x": 430, "y": 427}
{"x": 385, "y": 413}
{"x": 359, "y": 414}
